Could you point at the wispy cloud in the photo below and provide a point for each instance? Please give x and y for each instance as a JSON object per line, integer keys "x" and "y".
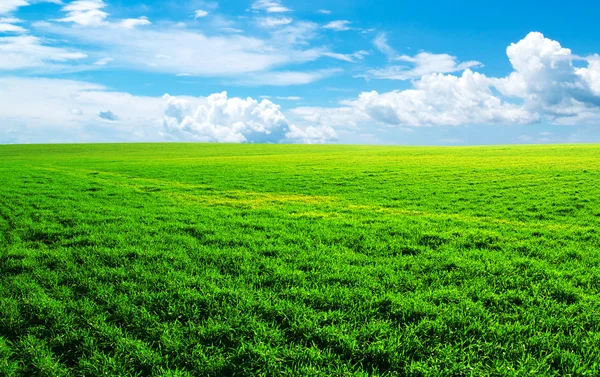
{"x": 103, "y": 61}
{"x": 85, "y": 12}
{"x": 422, "y": 64}
{"x": 283, "y": 98}
{"x": 193, "y": 52}
{"x": 90, "y": 13}
{"x": 6, "y": 27}
{"x": 351, "y": 58}
{"x": 340, "y": 25}
{"x": 381, "y": 43}
{"x": 270, "y": 6}
{"x": 27, "y": 52}
{"x": 200, "y": 13}
{"x": 288, "y": 78}
{"x": 7, "y": 6}
{"x": 270, "y": 22}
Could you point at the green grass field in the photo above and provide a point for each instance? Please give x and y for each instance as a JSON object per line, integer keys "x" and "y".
{"x": 283, "y": 260}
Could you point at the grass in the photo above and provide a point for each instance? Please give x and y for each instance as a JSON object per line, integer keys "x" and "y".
{"x": 281, "y": 260}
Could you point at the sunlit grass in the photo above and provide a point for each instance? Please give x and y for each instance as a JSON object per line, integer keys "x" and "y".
{"x": 222, "y": 260}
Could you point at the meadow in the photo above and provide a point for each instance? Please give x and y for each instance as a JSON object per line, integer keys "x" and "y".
{"x": 286, "y": 260}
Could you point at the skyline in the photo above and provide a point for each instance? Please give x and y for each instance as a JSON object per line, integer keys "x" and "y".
{"x": 283, "y": 71}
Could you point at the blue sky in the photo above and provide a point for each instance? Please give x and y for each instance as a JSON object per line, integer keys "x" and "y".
{"x": 418, "y": 73}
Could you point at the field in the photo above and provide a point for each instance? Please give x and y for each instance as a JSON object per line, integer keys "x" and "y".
{"x": 282, "y": 260}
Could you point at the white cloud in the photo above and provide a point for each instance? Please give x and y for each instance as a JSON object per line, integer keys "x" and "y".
{"x": 340, "y": 25}
{"x": 200, "y": 13}
{"x": 41, "y": 24}
{"x": 274, "y": 21}
{"x": 298, "y": 33}
{"x": 25, "y": 52}
{"x": 358, "y": 55}
{"x": 36, "y": 110}
{"x": 346, "y": 117}
{"x": 270, "y": 6}
{"x": 7, "y": 25}
{"x": 75, "y": 111}
{"x": 545, "y": 82}
{"x": 284, "y": 98}
{"x": 10, "y": 28}
{"x": 193, "y": 52}
{"x": 222, "y": 119}
{"x": 324, "y": 11}
{"x": 52, "y": 110}
{"x": 424, "y": 64}
{"x": 7, "y": 6}
{"x": 218, "y": 118}
{"x": 103, "y": 61}
{"x": 311, "y": 135}
{"x": 381, "y": 43}
{"x": 287, "y": 78}
{"x": 421, "y": 64}
{"x": 231, "y": 30}
{"x": 85, "y": 12}
{"x": 89, "y": 13}
{"x": 131, "y": 23}
{"x": 10, "y": 20}
{"x": 435, "y": 100}
{"x": 546, "y": 79}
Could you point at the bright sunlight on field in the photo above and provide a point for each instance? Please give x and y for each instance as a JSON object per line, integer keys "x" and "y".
{"x": 281, "y": 260}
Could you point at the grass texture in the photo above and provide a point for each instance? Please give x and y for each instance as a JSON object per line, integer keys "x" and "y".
{"x": 283, "y": 260}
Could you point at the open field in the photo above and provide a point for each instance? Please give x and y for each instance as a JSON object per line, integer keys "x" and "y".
{"x": 283, "y": 260}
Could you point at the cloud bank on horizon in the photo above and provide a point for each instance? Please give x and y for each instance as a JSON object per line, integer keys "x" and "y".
{"x": 92, "y": 71}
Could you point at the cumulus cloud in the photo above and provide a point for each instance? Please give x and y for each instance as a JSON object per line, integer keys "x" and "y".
{"x": 443, "y": 100}
{"x": 546, "y": 79}
{"x": 545, "y": 85}
{"x": 435, "y": 100}
{"x": 76, "y": 111}
{"x": 224, "y": 119}
{"x": 218, "y": 118}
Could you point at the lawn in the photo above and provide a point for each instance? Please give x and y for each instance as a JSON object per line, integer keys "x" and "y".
{"x": 285, "y": 260}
